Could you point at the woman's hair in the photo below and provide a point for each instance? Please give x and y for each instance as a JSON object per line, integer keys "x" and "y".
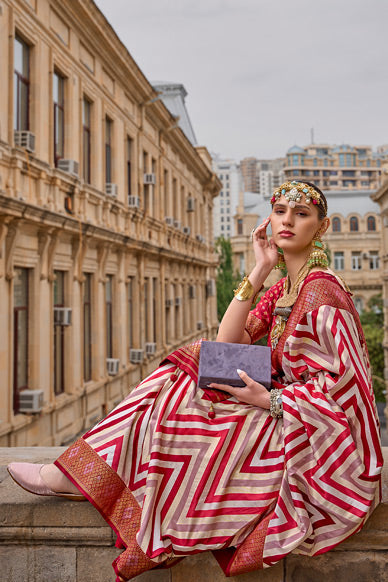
{"x": 322, "y": 206}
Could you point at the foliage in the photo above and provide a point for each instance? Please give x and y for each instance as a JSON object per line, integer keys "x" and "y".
{"x": 373, "y": 325}
{"x": 227, "y": 280}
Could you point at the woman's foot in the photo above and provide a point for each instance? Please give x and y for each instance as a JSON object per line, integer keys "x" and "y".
{"x": 44, "y": 480}
{"x": 56, "y": 480}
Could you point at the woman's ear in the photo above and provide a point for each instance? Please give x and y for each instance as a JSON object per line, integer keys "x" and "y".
{"x": 325, "y": 225}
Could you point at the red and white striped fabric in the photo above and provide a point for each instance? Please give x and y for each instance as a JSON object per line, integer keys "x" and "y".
{"x": 171, "y": 481}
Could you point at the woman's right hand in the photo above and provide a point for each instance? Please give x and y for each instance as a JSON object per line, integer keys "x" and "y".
{"x": 266, "y": 253}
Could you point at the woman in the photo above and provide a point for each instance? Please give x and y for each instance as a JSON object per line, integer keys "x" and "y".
{"x": 249, "y": 474}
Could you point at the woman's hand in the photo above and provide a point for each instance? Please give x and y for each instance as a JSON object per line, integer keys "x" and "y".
{"x": 253, "y": 393}
{"x": 265, "y": 250}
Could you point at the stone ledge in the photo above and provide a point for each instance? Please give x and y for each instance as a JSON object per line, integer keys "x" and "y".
{"x": 47, "y": 539}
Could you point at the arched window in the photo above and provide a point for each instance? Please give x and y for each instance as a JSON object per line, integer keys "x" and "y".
{"x": 353, "y": 224}
{"x": 371, "y": 223}
{"x": 336, "y": 224}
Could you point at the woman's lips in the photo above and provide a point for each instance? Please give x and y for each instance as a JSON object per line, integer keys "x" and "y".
{"x": 286, "y": 233}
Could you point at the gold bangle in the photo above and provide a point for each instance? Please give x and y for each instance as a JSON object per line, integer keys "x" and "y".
{"x": 276, "y": 403}
{"x": 245, "y": 290}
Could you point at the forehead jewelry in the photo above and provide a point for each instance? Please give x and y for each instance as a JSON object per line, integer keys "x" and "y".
{"x": 293, "y": 192}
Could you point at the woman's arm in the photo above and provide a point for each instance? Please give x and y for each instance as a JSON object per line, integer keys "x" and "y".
{"x": 232, "y": 326}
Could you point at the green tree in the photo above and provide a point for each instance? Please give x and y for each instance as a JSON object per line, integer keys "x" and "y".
{"x": 373, "y": 325}
{"x": 227, "y": 280}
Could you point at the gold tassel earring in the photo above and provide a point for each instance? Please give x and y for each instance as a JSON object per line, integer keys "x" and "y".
{"x": 318, "y": 257}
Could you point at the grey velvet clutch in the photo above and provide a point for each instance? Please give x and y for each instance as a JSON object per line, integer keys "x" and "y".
{"x": 218, "y": 362}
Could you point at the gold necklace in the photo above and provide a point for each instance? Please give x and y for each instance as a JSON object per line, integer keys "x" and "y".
{"x": 286, "y": 302}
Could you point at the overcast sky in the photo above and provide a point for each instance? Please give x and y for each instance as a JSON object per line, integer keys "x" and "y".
{"x": 261, "y": 73}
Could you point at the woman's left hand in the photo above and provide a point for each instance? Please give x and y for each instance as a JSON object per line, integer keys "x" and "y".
{"x": 253, "y": 393}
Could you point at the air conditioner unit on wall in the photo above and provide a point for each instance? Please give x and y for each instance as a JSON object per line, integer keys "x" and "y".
{"x": 190, "y": 204}
{"x": 210, "y": 287}
{"x": 199, "y": 325}
{"x": 69, "y": 166}
{"x": 149, "y": 179}
{"x": 112, "y": 366}
{"x": 177, "y": 223}
{"x": 169, "y": 302}
{"x": 62, "y": 315}
{"x": 178, "y": 301}
{"x": 186, "y": 230}
{"x": 25, "y": 139}
{"x": 191, "y": 291}
{"x": 111, "y": 189}
{"x": 169, "y": 220}
{"x": 150, "y": 348}
{"x": 199, "y": 238}
{"x": 133, "y": 201}
{"x": 31, "y": 401}
{"x": 136, "y": 356}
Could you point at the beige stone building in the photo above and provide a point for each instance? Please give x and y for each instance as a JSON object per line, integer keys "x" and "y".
{"x": 354, "y": 240}
{"x": 332, "y": 167}
{"x": 106, "y": 256}
{"x": 381, "y": 198}
{"x": 252, "y": 210}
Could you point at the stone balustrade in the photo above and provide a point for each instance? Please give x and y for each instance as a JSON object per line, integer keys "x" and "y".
{"x": 55, "y": 540}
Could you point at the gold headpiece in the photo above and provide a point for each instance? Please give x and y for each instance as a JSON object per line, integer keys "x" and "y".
{"x": 293, "y": 191}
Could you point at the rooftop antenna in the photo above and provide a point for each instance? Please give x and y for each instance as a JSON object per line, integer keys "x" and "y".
{"x": 312, "y": 135}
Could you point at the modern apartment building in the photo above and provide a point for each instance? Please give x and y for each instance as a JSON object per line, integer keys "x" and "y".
{"x": 225, "y": 203}
{"x": 106, "y": 233}
{"x": 262, "y": 176}
{"x": 331, "y": 167}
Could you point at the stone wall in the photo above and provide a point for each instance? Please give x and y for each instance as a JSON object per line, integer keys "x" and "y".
{"x": 55, "y": 540}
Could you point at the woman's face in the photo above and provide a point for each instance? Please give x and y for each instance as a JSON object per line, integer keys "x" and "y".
{"x": 294, "y": 228}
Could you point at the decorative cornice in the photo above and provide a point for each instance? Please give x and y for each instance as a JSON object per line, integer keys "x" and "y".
{"x": 67, "y": 224}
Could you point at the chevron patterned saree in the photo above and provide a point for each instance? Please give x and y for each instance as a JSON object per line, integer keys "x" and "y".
{"x": 172, "y": 482}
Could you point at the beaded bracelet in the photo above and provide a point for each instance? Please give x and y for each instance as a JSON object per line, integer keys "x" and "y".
{"x": 276, "y": 404}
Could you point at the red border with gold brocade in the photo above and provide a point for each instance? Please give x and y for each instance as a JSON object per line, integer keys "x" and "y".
{"x": 110, "y": 496}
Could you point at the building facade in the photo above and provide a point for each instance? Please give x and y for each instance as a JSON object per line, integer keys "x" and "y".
{"x": 332, "y": 167}
{"x": 106, "y": 237}
{"x": 252, "y": 209}
{"x": 354, "y": 241}
{"x": 226, "y": 202}
{"x": 381, "y": 198}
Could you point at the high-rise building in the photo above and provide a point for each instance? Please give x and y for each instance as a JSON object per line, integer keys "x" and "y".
{"x": 261, "y": 176}
{"x": 226, "y": 202}
{"x": 332, "y": 167}
{"x": 248, "y": 168}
